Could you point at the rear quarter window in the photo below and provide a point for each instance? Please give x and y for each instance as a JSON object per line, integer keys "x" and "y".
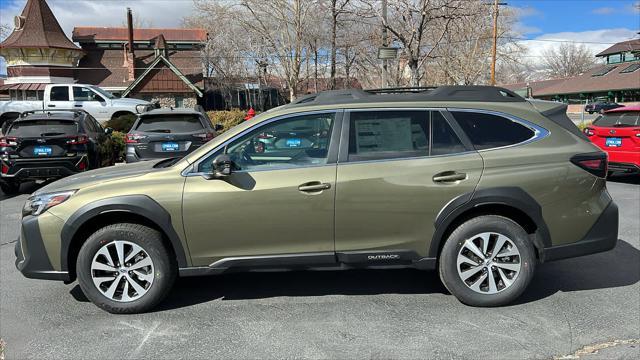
{"x": 487, "y": 131}
{"x": 176, "y": 123}
{"x": 39, "y": 128}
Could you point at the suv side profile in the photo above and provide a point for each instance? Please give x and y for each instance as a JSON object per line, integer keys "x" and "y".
{"x": 473, "y": 181}
{"x": 50, "y": 144}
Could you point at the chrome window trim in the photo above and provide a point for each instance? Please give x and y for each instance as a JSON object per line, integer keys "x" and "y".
{"x": 407, "y": 158}
{"x": 539, "y": 132}
{"x": 194, "y": 166}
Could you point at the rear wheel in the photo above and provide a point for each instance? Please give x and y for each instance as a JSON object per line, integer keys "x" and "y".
{"x": 487, "y": 261}
{"x": 10, "y": 187}
{"x": 125, "y": 268}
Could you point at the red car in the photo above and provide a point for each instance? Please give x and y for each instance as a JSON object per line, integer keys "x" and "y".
{"x": 617, "y": 132}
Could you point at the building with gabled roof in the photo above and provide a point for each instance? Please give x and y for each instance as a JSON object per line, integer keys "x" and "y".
{"x": 37, "y": 53}
{"x": 618, "y": 79}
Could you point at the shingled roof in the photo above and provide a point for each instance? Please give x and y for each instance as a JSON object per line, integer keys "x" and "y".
{"x": 39, "y": 29}
{"x": 84, "y": 34}
{"x": 631, "y": 45}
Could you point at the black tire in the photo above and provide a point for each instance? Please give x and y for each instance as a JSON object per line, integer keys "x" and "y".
{"x": 164, "y": 263}
{"x": 488, "y": 223}
{"x": 10, "y": 187}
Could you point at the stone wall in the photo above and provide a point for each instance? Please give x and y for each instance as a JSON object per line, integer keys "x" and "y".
{"x": 169, "y": 100}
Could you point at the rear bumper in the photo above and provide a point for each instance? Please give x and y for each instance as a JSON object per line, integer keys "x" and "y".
{"x": 602, "y": 236}
{"x": 31, "y": 257}
{"x": 626, "y": 168}
{"x": 42, "y": 168}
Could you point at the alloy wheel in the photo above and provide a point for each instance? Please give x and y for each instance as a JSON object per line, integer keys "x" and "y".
{"x": 488, "y": 263}
{"x": 122, "y": 271}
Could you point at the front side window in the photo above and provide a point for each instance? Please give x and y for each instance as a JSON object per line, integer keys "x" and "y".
{"x": 287, "y": 143}
{"x": 59, "y": 93}
{"x": 84, "y": 94}
{"x": 488, "y": 131}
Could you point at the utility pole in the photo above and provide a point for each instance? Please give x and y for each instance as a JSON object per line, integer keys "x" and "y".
{"x": 385, "y": 43}
{"x": 496, "y": 10}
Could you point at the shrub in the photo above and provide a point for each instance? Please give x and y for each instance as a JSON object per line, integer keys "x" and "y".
{"x": 118, "y": 144}
{"x": 227, "y": 119}
{"x": 583, "y": 125}
{"x": 121, "y": 123}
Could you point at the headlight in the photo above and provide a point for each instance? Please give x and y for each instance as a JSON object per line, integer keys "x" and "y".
{"x": 37, "y": 204}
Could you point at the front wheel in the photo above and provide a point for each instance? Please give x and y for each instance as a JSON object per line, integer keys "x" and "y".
{"x": 487, "y": 261}
{"x": 125, "y": 268}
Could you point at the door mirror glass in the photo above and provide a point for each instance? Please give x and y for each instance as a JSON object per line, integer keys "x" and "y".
{"x": 223, "y": 166}
{"x": 218, "y": 127}
{"x": 108, "y": 131}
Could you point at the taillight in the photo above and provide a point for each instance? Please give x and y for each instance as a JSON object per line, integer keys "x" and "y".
{"x": 78, "y": 140}
{"x": 589, "y": 132}
{"x": 596, "y": 163}
{"x": 133, "y": 138}
{"x": 82, "y": 164}
{"x": 206, "y": 136}
{"x": 8, "y": 141}
{"x": 4, "y": 169}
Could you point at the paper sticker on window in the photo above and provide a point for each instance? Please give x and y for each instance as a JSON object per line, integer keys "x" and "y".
{"x": 384, "y": 135}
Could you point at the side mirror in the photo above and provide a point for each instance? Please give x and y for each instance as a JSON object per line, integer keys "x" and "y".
{"x": 223, "y": 166}
{"x": 218, "y": 127}
{"x": 108, "y": 131}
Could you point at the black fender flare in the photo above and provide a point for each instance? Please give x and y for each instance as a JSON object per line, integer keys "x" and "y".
{"x": 510, "y": 196}
{"x": 138, "y": 204}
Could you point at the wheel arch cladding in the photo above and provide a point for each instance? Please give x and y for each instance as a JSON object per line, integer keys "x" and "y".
{"x": 511, "y": 202}
{"x": 137, "y": 208}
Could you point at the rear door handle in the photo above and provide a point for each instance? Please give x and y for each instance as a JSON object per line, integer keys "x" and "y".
{"x": 50, "y": 105}
{"x": 449, "y": 176}
{"x": 314, "y": 186}
{"x": 77, "y": 105}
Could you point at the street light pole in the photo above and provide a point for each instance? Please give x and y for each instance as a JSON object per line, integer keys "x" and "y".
{"x": 496, "y": 10}
{"x": 385, "y": 43}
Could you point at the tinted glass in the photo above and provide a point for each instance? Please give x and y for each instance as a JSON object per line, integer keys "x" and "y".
{"x": 388, "y": 134}
{"x": 176, "y": 123}
{"x": 443, "y": 140}
{"x": 59, "y": 93}
{"x": 39, "y": 128}
{"x": 618, "y": 119}
{"x": 293, "y": 142}
{"x": 488, "y": 131}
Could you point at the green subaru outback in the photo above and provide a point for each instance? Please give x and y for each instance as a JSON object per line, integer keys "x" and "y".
{"x": 476, "y": 182}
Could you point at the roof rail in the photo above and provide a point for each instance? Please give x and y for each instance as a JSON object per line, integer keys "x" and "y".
{"x": 474, "y": 93}
{"x": 76, "y": 112}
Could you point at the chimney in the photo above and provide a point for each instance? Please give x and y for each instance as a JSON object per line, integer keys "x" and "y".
{"x": 130, "y": 55}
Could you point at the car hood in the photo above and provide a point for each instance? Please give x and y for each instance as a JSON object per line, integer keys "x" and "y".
{"x": 98, "y": 176}
{"x": 129, "y": 101}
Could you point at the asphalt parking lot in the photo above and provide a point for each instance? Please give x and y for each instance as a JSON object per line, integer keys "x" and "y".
{"x": 571, "y": 308}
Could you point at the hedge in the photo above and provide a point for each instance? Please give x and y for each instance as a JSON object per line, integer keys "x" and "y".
{"x": 227, "y": 119}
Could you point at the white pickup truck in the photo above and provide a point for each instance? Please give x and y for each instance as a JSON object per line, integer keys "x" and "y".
{"x": 100, "y": 104}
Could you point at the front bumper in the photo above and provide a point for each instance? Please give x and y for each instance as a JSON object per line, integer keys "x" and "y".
{"x": 31, "y": 257}
{"x": 602, "y": 236}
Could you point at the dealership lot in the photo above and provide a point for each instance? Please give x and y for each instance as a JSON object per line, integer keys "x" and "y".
{"x": 375, "y": 314}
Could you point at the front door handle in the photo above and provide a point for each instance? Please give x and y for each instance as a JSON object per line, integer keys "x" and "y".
{"x": 449, "y": 176}
{"x": 77, "y": 105}
{"x": 314, "y": 186}
{"x": 51, "y": 105}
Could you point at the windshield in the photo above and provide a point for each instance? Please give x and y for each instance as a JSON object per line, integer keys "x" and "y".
{"x": 170, "y": 123}
{"x": 41, "y": 128}
{"x": 104, "y": 93}
{"x": 618, "y": 119}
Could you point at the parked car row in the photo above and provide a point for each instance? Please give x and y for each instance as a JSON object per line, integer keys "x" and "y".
{"x": 43, "y": 145}
{"x": 601, "y": 107}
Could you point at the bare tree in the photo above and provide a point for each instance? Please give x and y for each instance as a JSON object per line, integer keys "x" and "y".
{"x": 5, "y": 30}
{"x": 568, "y": 59}
{"x": 282, "y": 24}
{"x": 337, "y": 7}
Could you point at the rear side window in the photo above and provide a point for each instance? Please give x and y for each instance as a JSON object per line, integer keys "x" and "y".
{"x": 176, "y": 123}
{"x": 388, "y": 134}
{"x": 39, "y": 128}
{"x": 443, "y": 140}
{"x": 488, "y": 131}
{"x": 59, "y": 93}
{"x": 618, "y": 119}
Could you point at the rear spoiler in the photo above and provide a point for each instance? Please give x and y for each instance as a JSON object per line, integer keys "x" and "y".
{"x": 557, "y": 112}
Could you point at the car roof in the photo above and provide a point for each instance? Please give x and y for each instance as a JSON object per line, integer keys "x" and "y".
{"x": 51, "y": 115}
{"x": 165, "y": 111}
{"x": 624, "y": 109}
{"x": 405, "y": 95}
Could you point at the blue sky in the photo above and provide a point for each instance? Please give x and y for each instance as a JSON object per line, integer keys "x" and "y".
{"x": 554, "y": 16}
